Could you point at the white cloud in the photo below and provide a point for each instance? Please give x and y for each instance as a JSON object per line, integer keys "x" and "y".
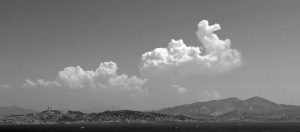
{"x": 105, "y": 76}
{"x": 77, "y": 78}
{"x": 209, "y": 95}
{"x": 29, "y": 83}
{"x": 123, "y": 82}
{"x": 180, "y": 89}
{"x": 181, "y": 60}
{"x": 40, "y": 83}
{"x": 5, "y": 86}
{"x": 44, "y": 83}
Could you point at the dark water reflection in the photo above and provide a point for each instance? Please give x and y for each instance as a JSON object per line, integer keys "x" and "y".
{"x": 161, "y": 127}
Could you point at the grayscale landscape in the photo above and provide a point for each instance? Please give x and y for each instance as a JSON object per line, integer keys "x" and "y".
{"x": 159, "y": 65}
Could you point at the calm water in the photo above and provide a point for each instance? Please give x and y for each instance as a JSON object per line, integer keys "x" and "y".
{"x": 162, "y": 127}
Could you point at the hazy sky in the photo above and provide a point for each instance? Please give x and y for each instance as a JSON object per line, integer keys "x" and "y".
{"x": 115, "y": 44}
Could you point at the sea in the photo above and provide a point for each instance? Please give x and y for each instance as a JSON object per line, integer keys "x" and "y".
{"x": 159, "y": 127}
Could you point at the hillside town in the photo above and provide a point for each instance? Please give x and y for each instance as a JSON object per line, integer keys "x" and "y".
{"x": 255, "y": 109}
{"x": 127, "y": 116}
{"x": 50, "y": 116}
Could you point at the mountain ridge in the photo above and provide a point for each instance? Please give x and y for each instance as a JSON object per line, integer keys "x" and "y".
{"x": 254, "y": 107}
{"x": 229, "y": 109}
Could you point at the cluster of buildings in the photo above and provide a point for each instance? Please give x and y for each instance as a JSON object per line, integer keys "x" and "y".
{"x": 59, "y": 117}
{"x": 50, "y": 116}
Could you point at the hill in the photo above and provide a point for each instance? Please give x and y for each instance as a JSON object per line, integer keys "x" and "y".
{"x": 60, "y": 117}
{"x": 255, "y": 108}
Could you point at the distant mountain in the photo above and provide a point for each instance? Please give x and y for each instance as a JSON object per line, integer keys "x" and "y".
{"x": 14, "y": 110}
{"x": 255, "y": 108}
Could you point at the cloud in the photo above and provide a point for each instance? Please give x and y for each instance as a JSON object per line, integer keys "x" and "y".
{"x": 180, "y": 89}
{"x": 41, "y": 83}
{"x": 209, "y": 95}
{"x": 123, "y": 82}
{"x": 178, "y": 59}
{"x": 105, "y": 76}
{"x": 5, "y": 86}
{"x": 77, "y": 78}
{"x": 29, "y": 83}
{"x": 44, "y": 83}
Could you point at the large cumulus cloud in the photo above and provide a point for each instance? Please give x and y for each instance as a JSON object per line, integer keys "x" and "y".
{"x": 105, "y": 76}
{"x": 179, "y": 59}
{"x": 77, "y": 78}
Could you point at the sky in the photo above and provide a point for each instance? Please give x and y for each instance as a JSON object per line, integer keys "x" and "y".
{"x": 145, "y": 55}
